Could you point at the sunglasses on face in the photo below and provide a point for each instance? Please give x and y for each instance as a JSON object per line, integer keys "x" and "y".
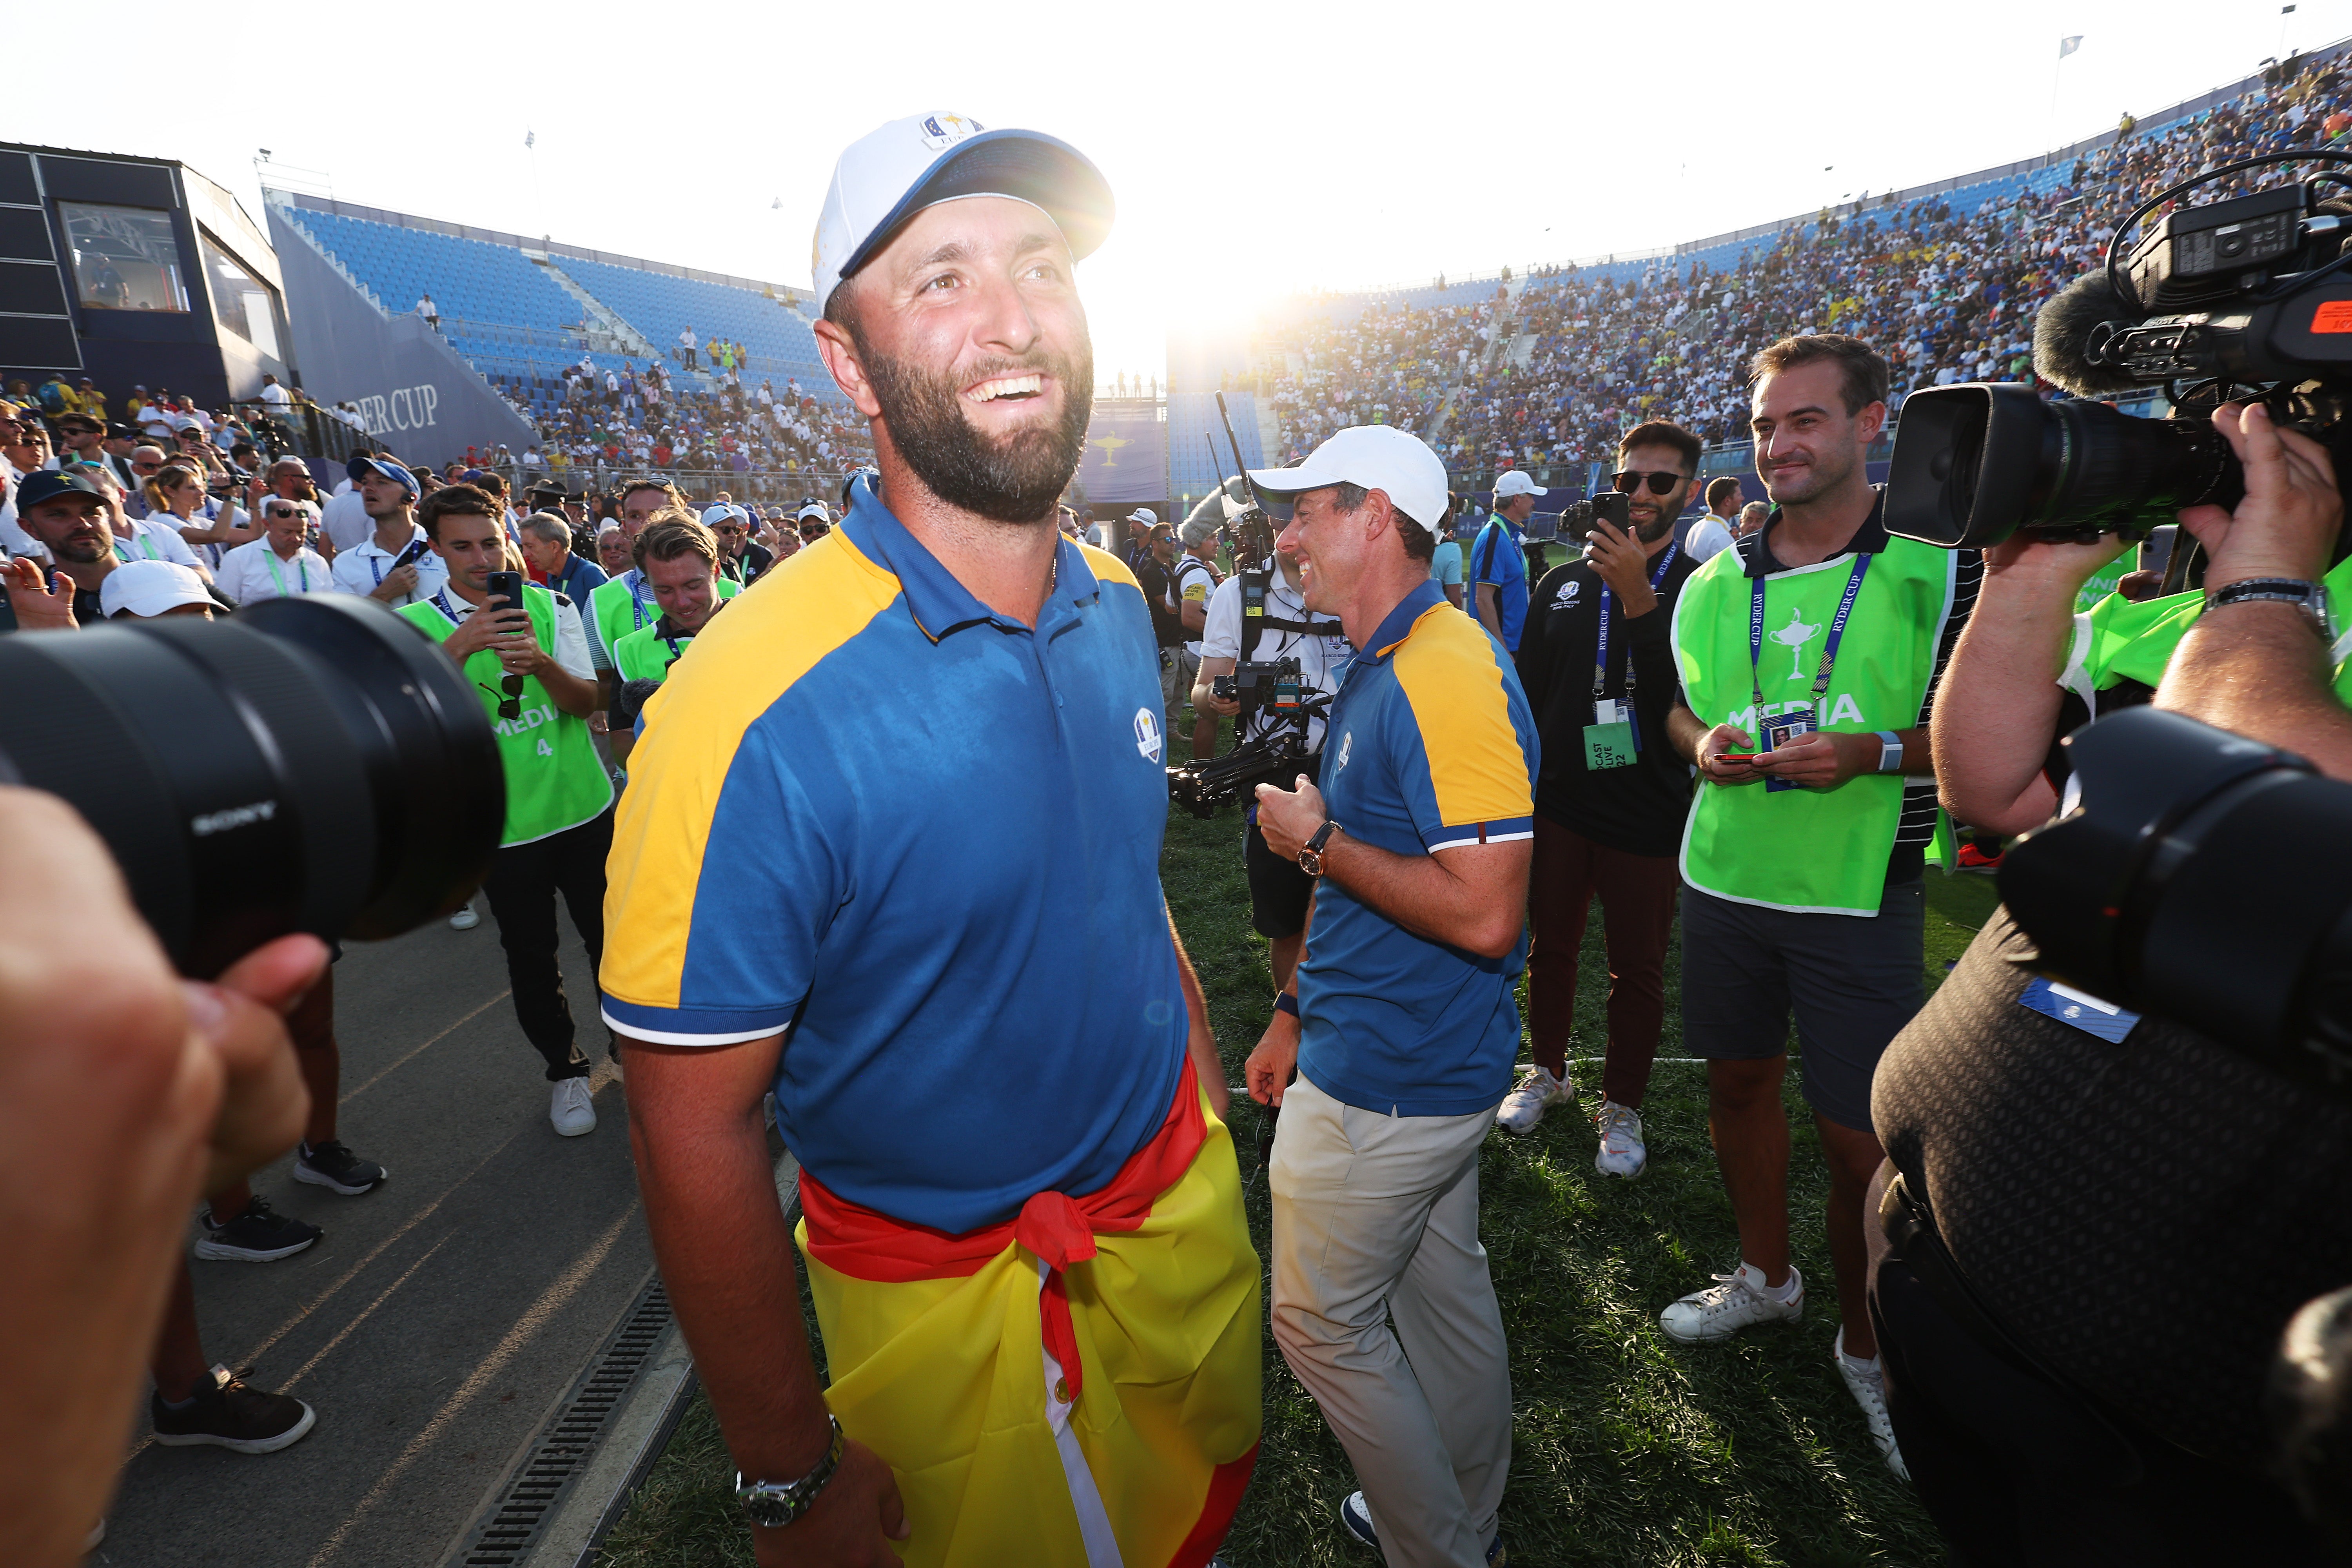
{"x": 147, "y": 468}
{"x": 1630, "y": 481}
{"x": 281, "y": 512}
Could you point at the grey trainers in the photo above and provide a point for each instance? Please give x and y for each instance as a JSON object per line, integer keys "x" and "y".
{"x": 1727, "y": 1306}
{"x": 1537, "y": 1092}
{"x": 1623, "y": 1153}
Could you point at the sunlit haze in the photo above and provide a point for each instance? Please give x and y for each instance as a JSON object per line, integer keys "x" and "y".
{"x": 1254, "y": 151}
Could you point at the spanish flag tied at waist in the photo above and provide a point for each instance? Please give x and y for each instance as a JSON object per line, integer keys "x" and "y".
{"x": 1075, "y": 1388}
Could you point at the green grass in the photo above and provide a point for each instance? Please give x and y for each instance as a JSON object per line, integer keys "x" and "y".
{"x": 1628, "y": 1448}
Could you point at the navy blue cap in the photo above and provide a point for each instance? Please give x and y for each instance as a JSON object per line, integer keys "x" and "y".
{"x": 48, "y": 485}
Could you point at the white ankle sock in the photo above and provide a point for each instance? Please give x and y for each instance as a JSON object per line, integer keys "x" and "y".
{"x": 1867, "y": 1367}
{"x": 1783, "y": 1292}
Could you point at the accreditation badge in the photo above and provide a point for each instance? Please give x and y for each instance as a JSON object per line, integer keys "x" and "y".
{"x": 1609, "y": 741}
{"x": 1787, "y": 730}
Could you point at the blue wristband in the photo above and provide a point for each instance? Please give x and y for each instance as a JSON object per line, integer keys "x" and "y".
{"x": 1284, "y": 1002}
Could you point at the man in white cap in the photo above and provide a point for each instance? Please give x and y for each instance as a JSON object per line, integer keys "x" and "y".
{"x": 151, "y": 589}
{"x": 1399, "y": 1021}
{"x": 1498, "y": 561}
{"x": 799, "y": 849}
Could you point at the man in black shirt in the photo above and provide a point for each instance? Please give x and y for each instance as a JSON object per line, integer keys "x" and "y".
{"x": 1154, "y": 568}
{"x": 1612, "y": 793}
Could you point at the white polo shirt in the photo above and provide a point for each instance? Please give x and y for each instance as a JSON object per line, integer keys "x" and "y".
{"x": 152, "y": 540}
{"x": 1320, "y": 659}
{"x": 359, "y": 569}
{"x": 245, "y": 574}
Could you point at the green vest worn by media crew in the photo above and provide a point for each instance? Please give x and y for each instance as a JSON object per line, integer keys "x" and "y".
{"x": 643, "y": 655}
{"x": 614, "y": 611}
{"x": 553, "y": 779}
{"x": 2117, "y": 640}
{"x": 1813, "y": 851}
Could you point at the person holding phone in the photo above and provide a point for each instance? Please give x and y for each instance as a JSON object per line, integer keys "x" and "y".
{"x": 395, "y": 565}
{"x": 525, "y": 651}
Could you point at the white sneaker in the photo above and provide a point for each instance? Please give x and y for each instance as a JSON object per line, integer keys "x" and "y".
{"x": 1869, "y": 1391}
{"x": 1727, "y": 1306}
{"x": 1537, "y": 1092}
{"x": 571, "y": 1108}
{"x": 1623, "y": 1153}
{"x": 465, "y": 918}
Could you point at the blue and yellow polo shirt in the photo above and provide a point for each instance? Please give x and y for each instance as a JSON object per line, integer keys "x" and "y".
{"x": 925, "y": 840}
{"x": 1429, "y": 746}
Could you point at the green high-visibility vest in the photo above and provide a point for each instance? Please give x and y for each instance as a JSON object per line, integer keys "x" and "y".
{"x": 1813, "y": 851}
{"x": 553, "y": 779}
{"x": 643, "y": 655}
{"x": 626, "y": 604}
{"x": 2117, "y": 640}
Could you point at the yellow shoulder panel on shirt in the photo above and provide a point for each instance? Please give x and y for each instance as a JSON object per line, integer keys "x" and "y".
{"x": 1448, "y": 670}
{"x": 1109, "y": 568}
{"x": 747, "y": 657}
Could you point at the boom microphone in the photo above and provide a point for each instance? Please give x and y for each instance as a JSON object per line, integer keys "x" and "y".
{"x": 2061, "y": 337}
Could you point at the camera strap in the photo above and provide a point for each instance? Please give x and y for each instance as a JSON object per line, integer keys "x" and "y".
{"x": 1253, "y": 586}
{"x": 1829, "y": 649}
{"x": 1601, "y": 651}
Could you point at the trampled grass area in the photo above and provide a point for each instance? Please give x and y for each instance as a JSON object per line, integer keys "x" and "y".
{"x": 1629, "y": 1449}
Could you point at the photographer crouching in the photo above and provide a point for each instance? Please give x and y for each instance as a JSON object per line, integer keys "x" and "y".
{"x": 2098, "y": 1226}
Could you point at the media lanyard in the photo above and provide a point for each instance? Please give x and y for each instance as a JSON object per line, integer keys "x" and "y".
{"x": 1829, "y": 649}
{"x": 301, "y": 571}
{"x": 636, "y": 600}
{"x": 1600, "y": 654}
{"x": 146, "y": 548}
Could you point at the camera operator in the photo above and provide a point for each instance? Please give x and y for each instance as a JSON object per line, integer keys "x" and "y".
{"x": 2121, "y": 1419}
{"x": 531, "y": 664}
{"x": 124, "y": 1092}
{"x": 1804, "y": 856}
{"x": 1282, "y": 627}
{"x": 681, "y": 559}
{"x": 1613, "y": 792}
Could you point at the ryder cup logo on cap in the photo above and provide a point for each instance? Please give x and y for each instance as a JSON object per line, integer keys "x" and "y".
{"x": 1381, "y": 458}
{"x": 890, "y": 174}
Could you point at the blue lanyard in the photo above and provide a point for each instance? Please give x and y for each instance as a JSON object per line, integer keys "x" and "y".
{"x": 636, "y": 600}
{"x": 1829, "y": 649}
{"x": 1600, "y": 654}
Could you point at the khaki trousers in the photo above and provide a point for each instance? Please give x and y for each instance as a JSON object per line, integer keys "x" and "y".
{"x": 1384, "y": 1309}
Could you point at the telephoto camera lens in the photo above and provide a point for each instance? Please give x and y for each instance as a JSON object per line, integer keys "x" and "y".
{"x": 1975, "y": 462}
{"x": 314, "y": 765}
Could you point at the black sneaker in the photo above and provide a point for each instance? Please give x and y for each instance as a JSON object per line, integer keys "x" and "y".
{"x": 256, "y": 1234}
{"x": 231, "y": 1416}
{"x": 333, "y": 1165}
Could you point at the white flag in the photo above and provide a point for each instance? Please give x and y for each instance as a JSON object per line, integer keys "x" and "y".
{"x": 530, "y": 139}
{"x": 2068, "y": 46}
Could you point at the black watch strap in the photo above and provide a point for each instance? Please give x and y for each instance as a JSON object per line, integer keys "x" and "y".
{"x": 2311, "y": 597}
{"x": 1310, "y": 854}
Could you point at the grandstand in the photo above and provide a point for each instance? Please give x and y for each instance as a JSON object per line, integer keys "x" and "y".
{"x": 1943, "y": 278}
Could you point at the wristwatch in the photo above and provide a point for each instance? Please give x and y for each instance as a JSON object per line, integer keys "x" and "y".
{"x": 1890, "y": 751}
{"x": 775, "y": 1504}
{"x": 2310, "y": 596}
{"x": 1310, "y": 858}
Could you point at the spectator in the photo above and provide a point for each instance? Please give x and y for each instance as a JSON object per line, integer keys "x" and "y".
{"x": 531, "y": 664}
{"x": 1713, "y": 533}
{"x": 1192, "y": 577}
{"x": 547, "y": 545}
{"x": 1445, "y": 561}
{"x": 681, "y": 559}
{"x": 139, "y": 538}
{"x": 278, "y": 563}
{"x": 67, "y": 516}
{"x": 738, "y": 557}
{"x": 686, "y": 347}
{"x": 151, "y": 590}
{"x": 1752, "y": 516}
{"x": 394, "y": 564}
{"x": 176, "y": 496}
{"x": 84, "y": 436}
{"x": 1498, "y": 559}
{"x": 612, "y": 551}
{"x": 430, "y": 312}
{"x": 276, "y": 396}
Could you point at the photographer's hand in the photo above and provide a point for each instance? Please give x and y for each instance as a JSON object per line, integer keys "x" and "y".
{"x": 1287, "y": 819}
{"x": 2286, "y": 525}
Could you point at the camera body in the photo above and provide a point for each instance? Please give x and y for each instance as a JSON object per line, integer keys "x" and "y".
{"x": 1262, "y": 685}
{"x": 2247, "y": 297}
{"x": 1613, "y": 507}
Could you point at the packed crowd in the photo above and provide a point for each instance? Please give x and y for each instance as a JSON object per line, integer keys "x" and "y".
{"x": 1391, "y": 365}
{"x": 1950, "y": 292}
{"x": 625, "y": 420}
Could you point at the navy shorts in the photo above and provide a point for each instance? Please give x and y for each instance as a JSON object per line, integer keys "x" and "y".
{"x": 1852, "y": 984}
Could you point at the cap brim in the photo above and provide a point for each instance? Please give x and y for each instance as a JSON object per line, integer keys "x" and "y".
{"x": 1272, "y": 483}
{"x": 1026, "y": 165}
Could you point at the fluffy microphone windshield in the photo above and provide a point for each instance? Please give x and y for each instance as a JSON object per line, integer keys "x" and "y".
{"x": 2061, "y": 337}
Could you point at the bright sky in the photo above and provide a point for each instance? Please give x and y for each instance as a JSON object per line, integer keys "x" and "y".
{"x": 1254, "y": 149}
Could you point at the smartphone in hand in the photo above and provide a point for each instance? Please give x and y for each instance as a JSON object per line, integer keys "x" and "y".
{"x": 512, "y": 613}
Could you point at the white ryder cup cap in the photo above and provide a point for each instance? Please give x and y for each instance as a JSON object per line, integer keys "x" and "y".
{"x": 1517, "y": 484}
{"x": 1381, "y": 458}
{"x": 890, "y": 174}
{"x": 149, "y": 588}
{"x": 1144, "y": 515}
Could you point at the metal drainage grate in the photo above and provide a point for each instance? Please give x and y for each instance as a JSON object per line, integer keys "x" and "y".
{"x": 544, "y": 1478}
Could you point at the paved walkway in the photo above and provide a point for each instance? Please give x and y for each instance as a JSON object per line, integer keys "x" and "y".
{"x": 442, "y": 1315}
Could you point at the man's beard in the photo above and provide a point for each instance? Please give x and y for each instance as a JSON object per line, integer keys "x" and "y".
{"x": 1017, "y": 480}
{"x": 1657, "y": 528}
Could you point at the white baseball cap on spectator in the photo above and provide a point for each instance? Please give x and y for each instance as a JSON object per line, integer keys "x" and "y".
{"x": 812, "y": 509}
{"x": 1517, "y": 484}
{"x": 1397, "y": 463}
{"x": 1144, "y": 515}
{"x": 890, "y": 174}
{"x": 149, "y": 588}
